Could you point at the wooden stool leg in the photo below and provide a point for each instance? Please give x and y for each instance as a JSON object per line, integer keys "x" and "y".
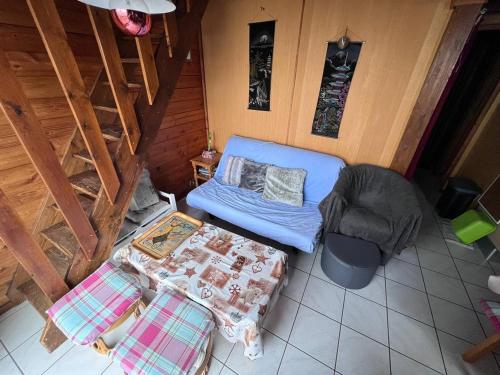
{"x": 484, "y": 347}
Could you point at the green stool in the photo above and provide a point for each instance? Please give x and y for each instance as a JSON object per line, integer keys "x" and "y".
{"x": 472, "y": 225}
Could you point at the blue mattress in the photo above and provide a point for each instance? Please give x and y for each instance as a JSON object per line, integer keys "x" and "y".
{"x": 294, "y": 226}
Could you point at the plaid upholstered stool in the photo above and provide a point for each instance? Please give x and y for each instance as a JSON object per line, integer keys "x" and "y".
{"x": 492, "y": 311}
{"x": 97, "y": 305}
{"x": 172, "y": 337}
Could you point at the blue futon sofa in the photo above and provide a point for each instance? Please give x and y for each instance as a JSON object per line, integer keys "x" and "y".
{"x": 295, "y": 226}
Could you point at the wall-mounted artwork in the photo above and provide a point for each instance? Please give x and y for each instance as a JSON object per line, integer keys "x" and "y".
{"x": 261, "y": 63}
{"x": 337, "y": 76}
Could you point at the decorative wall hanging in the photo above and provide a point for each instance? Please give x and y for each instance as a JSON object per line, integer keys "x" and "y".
{"x": 340, "y": 63}
{"x": 261, "y": 63}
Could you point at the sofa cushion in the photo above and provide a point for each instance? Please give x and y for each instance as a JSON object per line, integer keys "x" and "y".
{"x": 284, "y": 185}
{"x": 253, "y": 176}
{"x": 322, "y": 169}
{"x": 289, "y": 225}
{"x": 232, "y": 171}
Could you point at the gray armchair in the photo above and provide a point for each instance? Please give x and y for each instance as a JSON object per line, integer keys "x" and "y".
{"x": 374, "y": 204}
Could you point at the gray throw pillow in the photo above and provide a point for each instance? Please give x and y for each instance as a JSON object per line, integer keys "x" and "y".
{"x": 232, "y": 171}
{"x": 145, "y": 194}
{"x": 253, "y": 176}
{"x": 285, "y": 185}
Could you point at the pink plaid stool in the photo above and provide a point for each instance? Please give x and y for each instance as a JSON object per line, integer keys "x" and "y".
{"x": 97, "y": 305}
{"x": 172, "y": 337}
{"x": 492, "y": 311}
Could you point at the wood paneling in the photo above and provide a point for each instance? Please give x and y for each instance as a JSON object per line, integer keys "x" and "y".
{"x": 182, "y": 135}
{"x": 29, "y": 60}
{"x": 400, "y": 38}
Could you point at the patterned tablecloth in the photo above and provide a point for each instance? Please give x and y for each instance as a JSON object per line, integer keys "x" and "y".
{"x": 238, "y": 279}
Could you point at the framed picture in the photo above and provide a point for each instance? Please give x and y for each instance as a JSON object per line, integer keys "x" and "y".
{"x": 338, "y": 71}
{"x": 261, "y": 65}
{"x": 166, "y": 235}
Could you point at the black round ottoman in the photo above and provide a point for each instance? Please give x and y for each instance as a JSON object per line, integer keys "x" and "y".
{"x": 348, "y": 261}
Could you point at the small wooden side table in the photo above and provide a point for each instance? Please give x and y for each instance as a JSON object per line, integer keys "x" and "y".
{"x": 209, "y": 164}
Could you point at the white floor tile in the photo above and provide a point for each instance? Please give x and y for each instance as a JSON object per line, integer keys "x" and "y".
{"x": 473, "y": 273}
{"x": 297, "y": 281}
{"x": 453, "y": 348}
{"x": 114, "y": 369}
{"x": 358, "y": 354}
{"x": 33, "y": 358}
{"x": 280, "y": 319}
{"x": 401, "y": 365}
{"x": 8, "y": 367}
{"x": 318, "y": 271}
{"x": 374, "y": 291}
{"x": 456, "y": 320}
{"x": 380, "y": 271}
{"x": 408, "y": 255}
{"x": 404, "y": 273}
{"x": 3, "y": 351}
{"x": 433, "y": 243}
{"x": 301, "y": 260}
{"x": 215, "y": 367}
{"x": 227, "y": 371}
{"x": 437, "y": 262}
{"x": 267, "y": 365}
{"x": 296, "y": 362}
{"x": 446, "y": 287}
{"x": 79, "y": 360}
{"x": 13, "y": 310}
{"x": 476, "y": 293}
{"x": 415, "y": 340}
{"x": 316, "y": 335}
{"x": 324, "y": 297}
{"x": 222, "y": 347}
{"x": 408, "y": 301}
{"x": 464, "y": 253}
{"x": 366, "y": 317}
{"x": 20, "y": 326}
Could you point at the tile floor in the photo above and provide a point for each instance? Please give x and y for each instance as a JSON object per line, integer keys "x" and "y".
{"x": 419, "y": 313}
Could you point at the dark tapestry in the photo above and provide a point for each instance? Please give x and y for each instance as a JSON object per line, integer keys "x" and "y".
{"x": 261, "y": 63}
{"x": 337, "y": 76}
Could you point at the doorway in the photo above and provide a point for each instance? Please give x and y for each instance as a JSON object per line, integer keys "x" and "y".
{"x": 469, "y": 92}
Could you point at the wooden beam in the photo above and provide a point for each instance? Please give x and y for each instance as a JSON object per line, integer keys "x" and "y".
{"x": 17, "y": 109}
{"x": 486, "y": 346}
{"x": 148, "y": 66}
{"x": 170, "y": 26}
{"x": 459, "y": 3}
{"x": 105, "y": 36}
{"x": 55, "y": 40}
{"x": 459, "y": 27}
{"x": 31, "y": 256}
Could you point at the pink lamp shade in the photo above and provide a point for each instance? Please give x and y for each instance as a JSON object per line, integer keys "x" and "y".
{"x": 131, "y": 22}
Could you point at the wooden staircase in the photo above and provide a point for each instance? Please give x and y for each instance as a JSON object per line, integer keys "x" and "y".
{"x": 117, "y": 122}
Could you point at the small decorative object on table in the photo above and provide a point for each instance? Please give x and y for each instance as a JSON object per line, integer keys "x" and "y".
{"x": 166, "y": 235}
{"x": 209, "y": 153}
{"x": 204, "y": 168}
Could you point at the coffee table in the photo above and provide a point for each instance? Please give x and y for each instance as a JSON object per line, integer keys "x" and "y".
{"x": 238, "y": 279}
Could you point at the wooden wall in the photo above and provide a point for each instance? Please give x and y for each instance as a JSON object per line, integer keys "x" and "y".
{"x": 481, "y": 159}
{"x": 400, "y": 38}
{"x": 182, "y": 135}
{"x": 26, "y": 52}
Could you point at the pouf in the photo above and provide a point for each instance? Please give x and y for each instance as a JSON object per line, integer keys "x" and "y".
{"x": 348, "y": 261}
{"x": 172, "y": 337}
{"x": 472, "y": 225}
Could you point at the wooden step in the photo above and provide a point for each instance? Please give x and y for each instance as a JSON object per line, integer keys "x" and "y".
{"x": 35, "y": 296}
{"x": 130, "y": 60}
{"x": 112, "y": 132}
{"x": 84, "y": 155}
{"x": 133, "y": 86}
{"x": 87, "y": 182}
{"x": 86, "y": 202}
{"x": 62, "y": 238}
{"x": 32, "y": 291}
{"x": 106, "y": 108}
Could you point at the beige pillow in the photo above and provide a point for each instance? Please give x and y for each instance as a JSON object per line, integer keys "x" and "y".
{"x": 285, "y": 185}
